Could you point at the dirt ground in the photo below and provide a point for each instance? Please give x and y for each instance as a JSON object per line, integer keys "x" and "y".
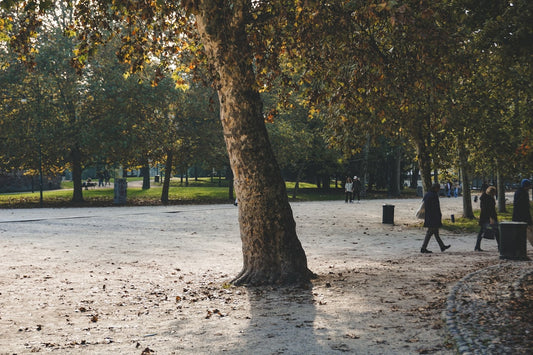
{"x": 154, "y": 280}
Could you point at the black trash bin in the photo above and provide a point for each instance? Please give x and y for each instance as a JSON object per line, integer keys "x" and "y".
{"x": 513, "y": 240}
{"x": 156, "y": 178}
{"x": 388, "y": 214}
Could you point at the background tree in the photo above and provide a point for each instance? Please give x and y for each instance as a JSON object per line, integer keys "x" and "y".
{"x": 498, "y": 93}
{"x": 299, "y": 142}
{"x": 55, "y": 98}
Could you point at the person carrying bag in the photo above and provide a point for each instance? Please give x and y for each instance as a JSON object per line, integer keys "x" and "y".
{"x": 488, "y": 219}
{"x": 421, "y": 211}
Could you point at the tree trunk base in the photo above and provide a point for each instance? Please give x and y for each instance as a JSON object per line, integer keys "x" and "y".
{"x": 259, "y": 278}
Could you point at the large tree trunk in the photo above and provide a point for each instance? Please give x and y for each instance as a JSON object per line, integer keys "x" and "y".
{"x": 272, "y": 253}
{"x": 77, "y": 195}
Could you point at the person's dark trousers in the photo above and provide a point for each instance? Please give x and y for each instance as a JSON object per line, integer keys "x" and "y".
{"x": 348, "y": 197}
{"x": 479, "y": 237}
{"x": 429, "y": 233}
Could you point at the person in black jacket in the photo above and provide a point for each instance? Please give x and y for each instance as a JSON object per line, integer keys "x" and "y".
{"x": 487, "y": 216}
{"x": 521, "y": 203}
{"x": 433, "y": 218}
{"x": 357, "y": 188}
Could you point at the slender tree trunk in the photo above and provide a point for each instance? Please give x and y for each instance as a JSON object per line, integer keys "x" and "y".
{"x": 295, "y": 189}
{"x": 325, "y": 182}
{"x": 364, "y": 166}
{"x": 396, "y": 172}
{"x": 145, "y": 172}
{"x": 500, "y": 189}
{"x": 297, "y": 184}
{"x": 168, "y": 174}
{"x": 468, "y": 211}
{"x": 272, "y": 253}
{"x": 424, "y": 164}
{"x": 77, "y": 195}
{"x": 229, "y": 177}
{"x": 414, "y": 177}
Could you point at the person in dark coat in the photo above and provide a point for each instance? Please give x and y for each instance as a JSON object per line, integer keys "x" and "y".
{"x": 488, "y": 215}
{"x": 432, "y": 218}
{"x": 521, "y": 203}
{"x": 356, "y": 188}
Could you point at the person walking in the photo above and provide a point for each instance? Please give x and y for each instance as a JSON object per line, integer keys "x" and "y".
{"x": 449, "y": 188}
{"x": 456, "y": 189}
{"x": 357, "y": 188}
{"x": 521, "y": 211}
{"x": 348, "y": 190}
{"x": 432, "y": 218}
{"x": 487, "y": 216}
{"x": 100, "y": 176}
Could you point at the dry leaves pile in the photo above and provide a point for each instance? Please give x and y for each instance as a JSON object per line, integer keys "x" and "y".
{"x": 493, "y": 310}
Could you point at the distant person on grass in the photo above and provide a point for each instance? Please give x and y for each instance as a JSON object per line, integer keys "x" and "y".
{"x": 433, "y": 218}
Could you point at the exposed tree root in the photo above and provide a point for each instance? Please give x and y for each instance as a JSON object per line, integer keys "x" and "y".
{"x": 249, "y": 277}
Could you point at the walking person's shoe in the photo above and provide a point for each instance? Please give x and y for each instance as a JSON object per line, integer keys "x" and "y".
{"x": 443, "y": 248}
{"x": 425, "y": 251}
{"x": 478, "y": 249}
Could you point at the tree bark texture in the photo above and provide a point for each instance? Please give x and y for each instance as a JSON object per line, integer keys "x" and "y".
{"x": 272, "y": 253}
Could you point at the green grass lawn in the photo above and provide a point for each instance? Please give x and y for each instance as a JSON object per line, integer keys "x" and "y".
{"x": 105, "y": 196}
{"x": 201, "y": 191}
{"x": 462, "y": 225}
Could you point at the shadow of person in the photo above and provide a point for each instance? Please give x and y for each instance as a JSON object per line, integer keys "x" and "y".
{"x": 281, "y": 322}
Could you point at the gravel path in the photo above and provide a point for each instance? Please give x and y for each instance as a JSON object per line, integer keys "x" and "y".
{"x": 141, "y": 280}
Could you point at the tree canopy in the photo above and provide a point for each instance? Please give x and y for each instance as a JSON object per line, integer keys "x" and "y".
{"x": 441, "y": 76}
